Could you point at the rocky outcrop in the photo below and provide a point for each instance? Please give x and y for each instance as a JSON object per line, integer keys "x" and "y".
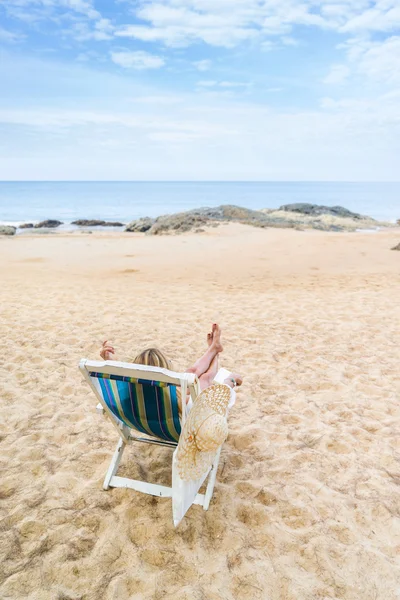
{"x": 323, "y": 221}
{"x": 7, "y": 230}
{"x": 246, "y": 216}
{"x": 48, "y": 224}
{"x": 178, "y": 223}
{"x": 96, "y": 223}
{"x": 338, "y": 219}
{"x": 316, "y": 210}
{"x": 201, "y": 217}
{"x": 26, "y": 226}
{"x": 229, "y": 212}
{"x": 140, "y": 225}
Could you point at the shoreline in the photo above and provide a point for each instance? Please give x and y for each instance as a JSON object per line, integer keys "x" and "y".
{"x": 296, "y": 216}
{"x": 119, "y": 233}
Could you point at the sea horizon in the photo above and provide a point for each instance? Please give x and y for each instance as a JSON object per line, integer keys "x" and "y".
{"x": 124, "y": 201}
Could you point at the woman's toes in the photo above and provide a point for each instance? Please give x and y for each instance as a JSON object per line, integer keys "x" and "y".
{"x": 216, "y": 332}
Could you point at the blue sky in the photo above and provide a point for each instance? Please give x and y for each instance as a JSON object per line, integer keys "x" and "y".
{"x": 200, "y": 89}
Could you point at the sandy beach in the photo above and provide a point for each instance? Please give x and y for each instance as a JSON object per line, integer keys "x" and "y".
{"x": 307, "y": 500}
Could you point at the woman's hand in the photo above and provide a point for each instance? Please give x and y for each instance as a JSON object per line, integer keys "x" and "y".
{"x": 234, "y": 380}
{"x": 107, "y": 350}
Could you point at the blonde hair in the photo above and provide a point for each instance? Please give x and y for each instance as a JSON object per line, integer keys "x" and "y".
{"x": 153, "y": 357}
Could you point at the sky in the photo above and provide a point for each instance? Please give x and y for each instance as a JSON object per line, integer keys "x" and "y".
{"x": 291, "y": 90}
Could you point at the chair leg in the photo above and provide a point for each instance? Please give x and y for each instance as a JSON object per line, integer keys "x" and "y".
{"x": 211, "y": 481}
{"x": 116, "y": 459}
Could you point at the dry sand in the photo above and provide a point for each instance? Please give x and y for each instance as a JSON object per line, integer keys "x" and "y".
{"x": 307, "y": 501}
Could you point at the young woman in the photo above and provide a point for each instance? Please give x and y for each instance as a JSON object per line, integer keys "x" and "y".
{"x": 206, "y": 367}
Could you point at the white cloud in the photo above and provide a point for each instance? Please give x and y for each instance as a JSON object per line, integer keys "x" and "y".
{"x": 9, "y": 36}
{"x": 287, "y": 40}
{"x": 379, "y": 61}
{"x": 76, "y": 18}
{"x": 178, "y": 36}
{"x": 222, "y": 84}
{"x": 230, "y": 22}
{"x": 100, "y": 30}
{"x": 224, "y": 23}
{"x": 169, "y": 99}
{"x": 348, "y": 139}
{"x": 44, "y": 9}
{"x": 81, "y": 6}
{"x": 221, "y": 22}
{"x": 207, "y": 83}
{"x": 233, "y": 84}
{"x": 376, "y": 61}
{"x": 177, "y": 137}
{"x": 337, "y": 75}
{"x": 203, "y": 65}
{"x": 105, "y": 27}
{"x": 383, "y": 16}
{"x": 166, "y": 125}
{"x": 137, "y": 60}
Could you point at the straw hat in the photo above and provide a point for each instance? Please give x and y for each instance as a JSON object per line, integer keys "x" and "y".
{"x": 205, "y": 430}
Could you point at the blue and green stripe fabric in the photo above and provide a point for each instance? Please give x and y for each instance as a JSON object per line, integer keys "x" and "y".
{"x": 151, "y": 407}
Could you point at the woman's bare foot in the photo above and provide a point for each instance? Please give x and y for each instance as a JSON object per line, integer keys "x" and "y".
{"x": 210, "y": 336}
{"x": 216, "y": 338}
{"x": 209, "y": 360}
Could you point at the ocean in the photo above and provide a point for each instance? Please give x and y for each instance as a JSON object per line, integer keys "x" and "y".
{"x": 22, "y": 202}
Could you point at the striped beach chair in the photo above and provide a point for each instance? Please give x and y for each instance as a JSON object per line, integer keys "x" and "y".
{"x": 142, "y": 403}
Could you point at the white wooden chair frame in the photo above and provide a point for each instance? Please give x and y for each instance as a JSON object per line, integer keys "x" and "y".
{"x": 186, "y": 381}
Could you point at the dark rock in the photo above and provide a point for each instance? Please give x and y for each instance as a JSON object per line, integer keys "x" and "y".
{"x": 49, "y": 223}
{"x": 7, "y": 230}
{"x": 140, "y": 225}
{"x": 316, "y": 209}
{"x": 228, "y": 212}
{"x": 178, "y": 223}
{"x": 96, "y": 223}
{"x": 396, "y": 247}
{"x": 26, "y": 226}
{"x": 88, "y": 223}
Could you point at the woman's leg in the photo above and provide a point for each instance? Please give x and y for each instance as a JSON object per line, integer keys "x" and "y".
{"x": 208, "y": 377}
{"x": 203, "y": 364}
